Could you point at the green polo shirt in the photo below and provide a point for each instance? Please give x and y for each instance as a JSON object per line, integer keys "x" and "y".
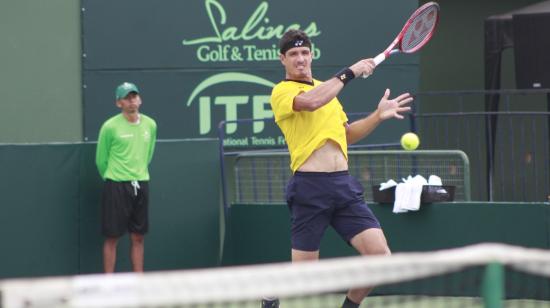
{"x": 124, "y": 149}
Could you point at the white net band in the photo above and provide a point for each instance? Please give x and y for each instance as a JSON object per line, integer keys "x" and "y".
{"x": 159, "y": 289}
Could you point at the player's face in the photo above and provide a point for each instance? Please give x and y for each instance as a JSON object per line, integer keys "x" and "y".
{"x": 130, "y": 103}
{"x": 297, "y": 63}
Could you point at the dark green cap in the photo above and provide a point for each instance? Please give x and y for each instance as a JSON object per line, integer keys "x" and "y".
{"x": 125, "y": 88}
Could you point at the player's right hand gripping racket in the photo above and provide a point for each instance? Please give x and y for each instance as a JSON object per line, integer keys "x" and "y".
{"x": 416, "y": 32}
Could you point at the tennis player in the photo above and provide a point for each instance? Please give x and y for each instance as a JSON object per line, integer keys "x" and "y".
{"x": 124, "y": 150}
{"x": 321, "y": 192}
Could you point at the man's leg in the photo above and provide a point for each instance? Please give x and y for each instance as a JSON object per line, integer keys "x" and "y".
{"x": 270, "y": 302}
{"x": 301, "y": 255}
{"x": 136, "y": 252}
{"x": 369, "y": 242}
{"x": 109, "y": 254}
{"x": 297, "y": 256}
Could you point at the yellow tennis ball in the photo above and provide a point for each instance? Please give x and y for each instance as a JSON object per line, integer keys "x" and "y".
{"x": 410, "y": 141}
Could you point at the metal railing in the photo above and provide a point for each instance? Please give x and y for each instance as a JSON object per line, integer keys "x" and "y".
{"x": 504, "y": 133}
{"x": 229, "y": 155}
{"x": 262, "y": 177}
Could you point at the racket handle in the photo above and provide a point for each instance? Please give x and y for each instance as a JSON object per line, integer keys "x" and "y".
{"x": 379, "y": 58}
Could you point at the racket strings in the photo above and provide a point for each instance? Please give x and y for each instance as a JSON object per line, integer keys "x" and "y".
{"x": 419, "y": 30}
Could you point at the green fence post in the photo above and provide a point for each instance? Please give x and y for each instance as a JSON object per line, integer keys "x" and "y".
{"x": 493, "y": 286}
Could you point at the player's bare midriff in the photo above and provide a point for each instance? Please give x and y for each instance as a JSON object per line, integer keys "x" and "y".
{"x": 328, "y": 158}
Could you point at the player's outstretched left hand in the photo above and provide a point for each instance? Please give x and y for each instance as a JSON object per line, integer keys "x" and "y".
{"x": 394, "y": 108}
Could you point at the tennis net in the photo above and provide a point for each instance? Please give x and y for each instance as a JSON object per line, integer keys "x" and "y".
{"x": 483, "y": 275}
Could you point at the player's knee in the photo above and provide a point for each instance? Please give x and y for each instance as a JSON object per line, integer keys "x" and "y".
{"x": 379, "y": 250}
{"x": 137, "y": 238}
{"x": 111, "y": 241}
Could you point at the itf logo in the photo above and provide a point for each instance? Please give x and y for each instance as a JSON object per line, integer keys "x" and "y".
{"x": 233, "y": 105}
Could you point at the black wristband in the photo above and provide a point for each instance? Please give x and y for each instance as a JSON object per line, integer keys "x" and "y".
{"x": 345, "y": 75}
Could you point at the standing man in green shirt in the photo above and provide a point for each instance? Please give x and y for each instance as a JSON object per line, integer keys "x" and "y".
{"x": 124, "y": 150}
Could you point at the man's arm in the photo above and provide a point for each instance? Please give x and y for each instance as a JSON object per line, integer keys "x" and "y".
{"x": 325, "y": 92}
{"x": 363, "y": 127}
{"x": 102, "y": 151}
{"x": 387, "y": 108}
{"x": 153, "y": 142}
{"x": 318, "y": 97}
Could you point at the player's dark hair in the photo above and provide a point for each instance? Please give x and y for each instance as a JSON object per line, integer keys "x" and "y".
{"x": 293, "y": 38}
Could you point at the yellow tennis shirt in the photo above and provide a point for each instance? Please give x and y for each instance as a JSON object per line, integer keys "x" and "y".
{"x": 307, "y": 131}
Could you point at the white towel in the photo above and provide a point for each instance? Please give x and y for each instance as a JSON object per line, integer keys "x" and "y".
{"x": 434, "y": 180}
{"x": 407, "y": 195}
{"x": 388, "y": 184}
{"x": 401, "y": 193}
{"x": 413, "y": 203}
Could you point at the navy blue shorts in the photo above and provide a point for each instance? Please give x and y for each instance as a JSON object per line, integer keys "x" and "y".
{"x": 319, "y": 199}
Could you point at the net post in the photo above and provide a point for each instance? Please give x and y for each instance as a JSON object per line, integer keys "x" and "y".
{"x": 492, "y": 289}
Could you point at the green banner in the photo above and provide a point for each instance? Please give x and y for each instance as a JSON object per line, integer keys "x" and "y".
{"x": 201, "y": 62}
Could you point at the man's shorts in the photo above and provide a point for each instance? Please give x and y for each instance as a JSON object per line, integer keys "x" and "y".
{"x": 125, "y": 208}
{"x": 319, "y": 199}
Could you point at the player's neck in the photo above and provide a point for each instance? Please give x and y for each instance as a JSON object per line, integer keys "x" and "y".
{"x": 300, "y": 78}
{"x": 133, "y": 117}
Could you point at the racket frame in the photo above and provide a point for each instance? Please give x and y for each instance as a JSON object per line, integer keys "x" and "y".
{"x": 397, "y": 41}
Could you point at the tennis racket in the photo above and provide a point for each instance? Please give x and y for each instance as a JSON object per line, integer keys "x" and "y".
{"x": 416, "y": 32}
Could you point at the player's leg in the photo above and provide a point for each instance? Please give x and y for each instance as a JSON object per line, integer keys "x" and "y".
{"x": 136, "y": 251}
{"x": 114, "y": 221}
{"x": 138, "y": 225}
{"x": 270, "y": 302}
{"x": 309, "y": 218}
{"x": 310, "y": 213}
{"x": 297, "y": 256}
{"x": 369, "y": 242}
{"x": 301, "y": 255}
{"x": 309, "y": 201}
{"x": 358, "y": 226}
{"x": 109, "y": 254}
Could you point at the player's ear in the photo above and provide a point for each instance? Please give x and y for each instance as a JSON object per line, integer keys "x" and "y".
{"x": 117, "y": 103}
{"x": 282, "y": 58}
